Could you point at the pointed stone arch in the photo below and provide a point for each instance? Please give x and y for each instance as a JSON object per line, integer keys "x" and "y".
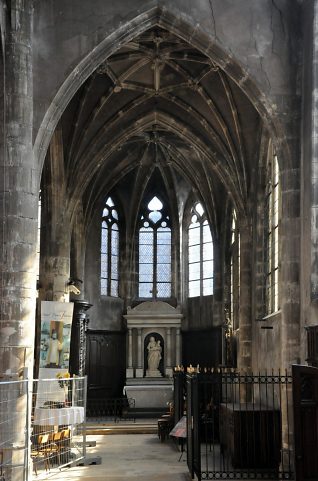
{"x": 161, "y": 17}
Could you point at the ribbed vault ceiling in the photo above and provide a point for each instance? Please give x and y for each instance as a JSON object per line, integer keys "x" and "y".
{"x": 160, "y": 103}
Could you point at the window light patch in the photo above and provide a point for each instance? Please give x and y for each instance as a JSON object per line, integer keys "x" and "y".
{"x": 155, "y": 204}
{"x": 199, "y": 209}
{"x": 155, "y": 216}
{"x": 109, "y": 202}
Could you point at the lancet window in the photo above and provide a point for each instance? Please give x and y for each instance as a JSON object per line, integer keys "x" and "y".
{"x": 109, "y": 250}
{"x": 273, "y": 209}
{"x": 200, "y": 254}
{"x": 154, "y": 251}
{"x": 235, "y": 272}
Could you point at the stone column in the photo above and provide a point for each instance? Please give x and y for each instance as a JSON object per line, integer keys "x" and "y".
{"x": 289, "y": 275}
{"x": 245, "y": 321}
{"x": 289, "y": 295}
{"x": 168, "y": 370}
{"x": 139, "y": 370}
{"x": 178, "y": 347}
{"x": 130, "y": 370}
{"x": 78, "y": 338}
{"x": 226, "y": 281}
{"x": 311, "y": 315}
{"x": 56, "y": 237}
{"x": 19, "y": 191}
{"x": 78, "y": 251}
{"x": 259, "y": 266}
{"x": 218, "y": 314}
{"x": 290, "y": 292}
{"x": 314, "y": 164}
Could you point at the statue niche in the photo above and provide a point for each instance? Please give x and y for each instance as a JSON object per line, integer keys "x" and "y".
{"x": 156, "y": 319}
{"x": 154, "y": 355}
{"x": 154, "y": 347}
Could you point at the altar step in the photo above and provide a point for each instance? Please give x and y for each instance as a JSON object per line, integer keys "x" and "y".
{"x": 122, "y": 427}
{"x": 147, "y": 413}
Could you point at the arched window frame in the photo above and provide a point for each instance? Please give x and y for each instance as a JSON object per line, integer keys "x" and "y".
{"x": 109, "y": 278}
{"x": 272, "y": 226}
{"x": 200, "y": 258}
{"x": 235, "y": 266}
{"x": 154, "y": 253}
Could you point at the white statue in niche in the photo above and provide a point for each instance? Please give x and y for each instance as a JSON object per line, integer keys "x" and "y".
{"x": 154, "y": 356}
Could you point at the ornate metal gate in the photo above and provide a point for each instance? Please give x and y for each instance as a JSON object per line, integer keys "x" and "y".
{"x": 238, "y": 425}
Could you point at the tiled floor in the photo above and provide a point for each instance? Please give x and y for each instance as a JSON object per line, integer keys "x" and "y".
{"x": 127, "y": 457}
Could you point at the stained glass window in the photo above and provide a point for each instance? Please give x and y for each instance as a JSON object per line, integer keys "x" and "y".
{"x": 273, "y": 202}
{"x": 200, "y": 254}
{"x": 109, "y": 250}
{"x": 154, "y": 252}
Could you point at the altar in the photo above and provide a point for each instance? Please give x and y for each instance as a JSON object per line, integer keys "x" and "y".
{"x": 154, "y": 348}
{"x": 61, "y": 416}
{"x": 150, "y": 395}
{"x": 162, "y": 322}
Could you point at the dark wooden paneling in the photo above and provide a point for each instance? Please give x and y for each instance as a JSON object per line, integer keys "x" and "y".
{"x": 105, "y": 363}
{"x": 242, "y": 428}
{"x": 199, "y": 312}
{"x": 312, "y": 345}
{"x": 305, "y": 397}
{"x": 202, "y": 347}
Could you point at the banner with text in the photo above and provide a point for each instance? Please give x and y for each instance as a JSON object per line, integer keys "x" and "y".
{"x": 56, "y": 324}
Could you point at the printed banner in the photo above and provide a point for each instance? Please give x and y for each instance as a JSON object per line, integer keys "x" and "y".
{"x": 56, "y": 324}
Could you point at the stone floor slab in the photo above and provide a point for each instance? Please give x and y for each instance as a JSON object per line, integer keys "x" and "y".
{"x": 139, "y": 457}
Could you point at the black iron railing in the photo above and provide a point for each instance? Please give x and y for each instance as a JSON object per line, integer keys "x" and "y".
{"x": 238, "y": 425}
{"x": 114, "y": 408}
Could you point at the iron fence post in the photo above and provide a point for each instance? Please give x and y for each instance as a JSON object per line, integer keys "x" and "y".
{"x": 84, "y": 423}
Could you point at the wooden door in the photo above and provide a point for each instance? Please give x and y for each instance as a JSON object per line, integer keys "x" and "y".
{"x": 305, "y": 400}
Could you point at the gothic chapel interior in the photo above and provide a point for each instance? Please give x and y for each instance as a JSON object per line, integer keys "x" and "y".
{"x": 160, "y": 153}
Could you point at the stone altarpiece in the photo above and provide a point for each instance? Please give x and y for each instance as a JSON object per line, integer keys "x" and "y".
{"x": 161, "y": 321}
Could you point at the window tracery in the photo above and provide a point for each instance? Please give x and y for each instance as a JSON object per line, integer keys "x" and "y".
{"x": 109, "y": 250}
{"x": 154, "y": 251}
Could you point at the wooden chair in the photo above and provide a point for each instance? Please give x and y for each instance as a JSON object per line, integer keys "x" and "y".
{"x": 165, "y": 424}
{"x": 65, "y": 445}
{"x": 54, "y": 447}
{"x": 39, "y": 452}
